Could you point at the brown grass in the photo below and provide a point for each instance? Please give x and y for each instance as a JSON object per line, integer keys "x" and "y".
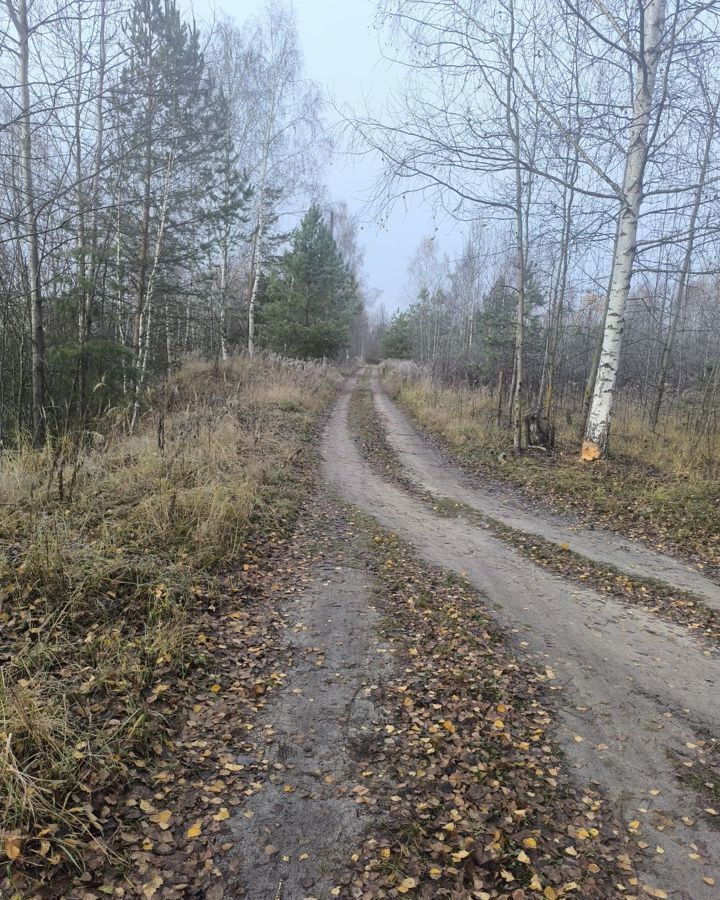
{"x": 662, "y": 487}
{"x": 104, "y": 551}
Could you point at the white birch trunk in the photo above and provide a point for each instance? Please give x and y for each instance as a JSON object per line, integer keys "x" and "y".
{"x": 20, "y": 22}
{"x": 597, "y": 431}
{"x": 146, "y": 313}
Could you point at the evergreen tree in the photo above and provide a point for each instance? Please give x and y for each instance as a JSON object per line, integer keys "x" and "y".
{"x": 312, "y": 295}
{"x": 397, "y": 341}
{"x": 167, "y": 133}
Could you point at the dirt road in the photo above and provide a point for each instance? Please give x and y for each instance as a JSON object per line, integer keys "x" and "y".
{"x": 427, "y": 467}
{"x": 295, "y": 832}
{"x": 632, "y": 689}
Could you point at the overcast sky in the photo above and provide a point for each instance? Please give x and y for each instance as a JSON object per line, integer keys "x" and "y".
{"x": 342, "y": 54}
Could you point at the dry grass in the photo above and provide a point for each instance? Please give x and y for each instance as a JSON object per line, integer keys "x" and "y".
{"x": 664, "y": 487}
{"x": 104, "y": 551}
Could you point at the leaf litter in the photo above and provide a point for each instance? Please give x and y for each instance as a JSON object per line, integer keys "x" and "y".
{"x": 474, "y": 796}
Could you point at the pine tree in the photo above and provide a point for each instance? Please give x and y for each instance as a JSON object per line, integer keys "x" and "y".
{"x": 397, "y": 341}
{"x": 166, "y": 118}
{"x": 311, "y": 297}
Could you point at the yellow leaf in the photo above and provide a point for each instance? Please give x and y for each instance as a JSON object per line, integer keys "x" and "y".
{"x": 634, "y": 825}
{"x": 222, "y": 815}
{"x": 535, "y": 884}
{"x": 448, "y": 726}
{"x": 162, "y": 819}
{"x": 710, "y": 881}
{"x": 508, "y": 876}
{"x": 302, "y": 856}
{"x": 460, "y": 855}
{"x": 215, "y": 689}
{"x": 150, "y": 889}
{"x": 385, "y": 853}
{"x": 435, "y": 872}
{"x": 407, "y": 884}
{"x": 335, "y": 891}
{"x": 194, "y": 830}
{"x": 499, "y": 724}
{"x": 523, "y": 857}
{"x": 571, "y": 851}
{"x": 530, "y": 843}
{"x": 549, "y": 893}
{"x": 12, "y": 845}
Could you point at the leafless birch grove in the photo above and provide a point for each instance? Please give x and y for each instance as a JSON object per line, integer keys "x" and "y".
{"x": 580, "y": 140}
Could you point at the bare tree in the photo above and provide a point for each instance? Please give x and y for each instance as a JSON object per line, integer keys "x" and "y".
{"x": 24, "y": 31}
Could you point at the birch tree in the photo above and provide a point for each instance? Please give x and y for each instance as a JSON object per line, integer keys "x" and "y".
{"x": 286, "y": 110}
{"x": 24, "y": 31}
{"x": 645, "y": 54}
{"x": 683, "y": 279}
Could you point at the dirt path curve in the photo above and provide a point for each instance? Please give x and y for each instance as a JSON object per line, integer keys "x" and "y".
{"x": 300, "y": 826}
{"x": 426, "y": 466}
{"x": 633, "y": 687}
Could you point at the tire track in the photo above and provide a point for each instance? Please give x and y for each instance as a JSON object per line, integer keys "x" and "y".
{"x": 631, "y": 688}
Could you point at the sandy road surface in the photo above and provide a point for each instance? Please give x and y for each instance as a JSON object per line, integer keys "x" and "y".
{"x": 295, "y": 832}
{"x": 426, "y": 466}
{"x": 634, "y": 687}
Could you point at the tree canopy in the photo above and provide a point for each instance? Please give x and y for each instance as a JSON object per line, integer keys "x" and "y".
{"x": 312, "y": 296}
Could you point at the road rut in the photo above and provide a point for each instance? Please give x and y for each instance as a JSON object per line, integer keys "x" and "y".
{"x": 632, "y": 688}
{"x": 295, "y": 833}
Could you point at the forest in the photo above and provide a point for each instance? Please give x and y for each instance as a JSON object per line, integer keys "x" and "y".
{"x": 578, "y": 144}
{"x": 150, "y": 174}
{"x": 359, "y": 431}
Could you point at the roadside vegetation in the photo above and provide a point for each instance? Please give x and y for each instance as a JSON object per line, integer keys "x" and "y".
{"x": 117, "y": 555}
{"x": 662, "y": 488}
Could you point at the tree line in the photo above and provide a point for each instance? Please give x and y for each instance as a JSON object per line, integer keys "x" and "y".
{"x": 580, "y": 139}
{"x": 152, "y": 173}
{"x": 460, "y": 320}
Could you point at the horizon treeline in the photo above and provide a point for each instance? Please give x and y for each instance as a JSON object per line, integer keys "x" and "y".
{"x": 153, "y": 174}
{"x": 460, "y": 323}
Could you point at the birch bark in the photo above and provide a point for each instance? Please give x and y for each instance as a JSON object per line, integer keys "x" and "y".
{"x": 597, "y": 432}
{"x": 20, "y": 22}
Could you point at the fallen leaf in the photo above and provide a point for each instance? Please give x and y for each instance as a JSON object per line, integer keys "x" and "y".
{"x": 162, "y": 819}
{"x": 12, "y": 845}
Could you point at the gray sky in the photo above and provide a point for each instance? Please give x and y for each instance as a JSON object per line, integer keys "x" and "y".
{"x": 342, "y": 54}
